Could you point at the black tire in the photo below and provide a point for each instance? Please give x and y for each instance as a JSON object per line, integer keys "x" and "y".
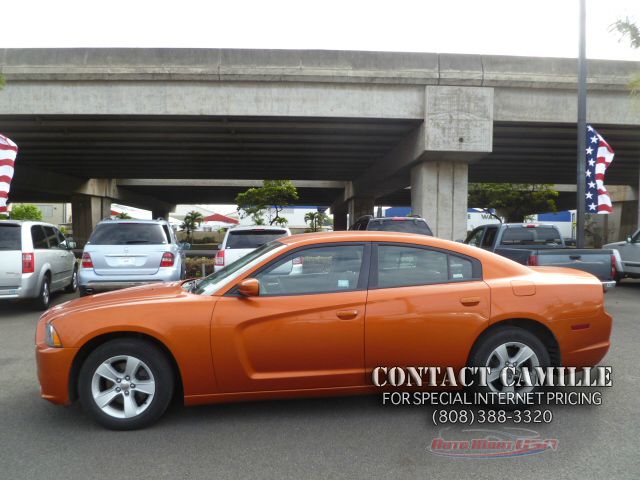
{"x": 83, "y": 292}
{"x": 43, "y": 300}
{"x": 157, "y": 363}
{"x": 73, "y": 286}
{"x": 482, "y": 351}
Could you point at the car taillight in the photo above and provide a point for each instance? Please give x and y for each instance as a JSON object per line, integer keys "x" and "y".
{"x": 86, "y": 260}
{"x": 614, "y": 270}
{"x": 533, "y": 260}
{"x": 167, "y": 259}
{"x": 220, "y": 258}
{"x": 28, "y": 262}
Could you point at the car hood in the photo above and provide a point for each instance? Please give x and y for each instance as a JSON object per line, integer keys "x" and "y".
{"x": 151, "y": 292}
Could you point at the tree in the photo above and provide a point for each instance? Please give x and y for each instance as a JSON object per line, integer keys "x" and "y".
{"x": 25, "y": 212}
{"x": 123, "y": 216}
{"x": 315, "y": 220}
{"x": 628, "y": 30}
{"x": 513, "y": 201}
{"x": 271, "y": 198}
{"x": 191, "y": 222}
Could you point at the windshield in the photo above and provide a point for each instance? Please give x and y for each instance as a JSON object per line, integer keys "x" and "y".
{"x": 128, "y": 234}
{"x": 215, "y": 281}
{"x": 252, "y": 238}
{"x": 538, "y": 235}
{"x": 410, "y": 225}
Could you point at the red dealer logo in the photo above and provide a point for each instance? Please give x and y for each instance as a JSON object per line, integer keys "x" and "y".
{"x": 484, "y": 443}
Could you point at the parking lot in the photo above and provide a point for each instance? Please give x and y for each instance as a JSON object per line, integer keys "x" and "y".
{"x": 329, "y": 438}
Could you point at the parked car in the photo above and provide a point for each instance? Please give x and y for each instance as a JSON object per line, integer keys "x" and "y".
{"x": 537, "y": 244}
{"x": 35, "y": 260}
{"x": 241, "y": 240}
{"x": 412, "y": 224}
{"x": 629, "y": 252}
{"x": 251, "y": 331}
{"x": 126, "y": 253}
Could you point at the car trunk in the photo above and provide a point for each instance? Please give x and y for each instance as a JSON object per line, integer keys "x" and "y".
{"x": 126, "y": 259}
{"x": 10, "y": 255}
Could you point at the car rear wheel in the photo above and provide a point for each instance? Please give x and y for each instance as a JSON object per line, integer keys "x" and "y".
{"x": 509, "y": 347}
{"x": 126, "y": 384}
{"x": 42, "y": 301}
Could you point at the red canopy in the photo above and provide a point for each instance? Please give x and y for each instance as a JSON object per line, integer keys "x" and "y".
{"x": 216, "y": 217}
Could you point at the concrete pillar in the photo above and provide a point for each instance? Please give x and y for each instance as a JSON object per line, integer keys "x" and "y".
{"x": 86, "y": 212}
{"x": 358, "y": 207}
{"x": 339, "y": 218}
{"x": 439, "y": 194}
{"x": 160, "y": 212}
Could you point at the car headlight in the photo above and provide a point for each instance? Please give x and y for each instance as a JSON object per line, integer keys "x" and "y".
{"x": 51, "y": 337}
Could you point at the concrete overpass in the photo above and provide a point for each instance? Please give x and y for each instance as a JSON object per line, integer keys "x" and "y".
{"x": 101, "y": 124}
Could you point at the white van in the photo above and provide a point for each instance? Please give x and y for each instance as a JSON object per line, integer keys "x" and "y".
{"x": 241, "y": 240}
{"x": 36, "y": 260}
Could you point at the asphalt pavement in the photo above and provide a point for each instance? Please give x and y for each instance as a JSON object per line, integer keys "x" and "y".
{"x": 355, "y": 437}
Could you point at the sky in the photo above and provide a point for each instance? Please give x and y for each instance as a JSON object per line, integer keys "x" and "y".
{"x": 499, "y": 27}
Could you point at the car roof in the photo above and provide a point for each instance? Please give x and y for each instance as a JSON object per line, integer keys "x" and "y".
{"x": 131, "y": 220}
{"x": 28, "y": 222}
{"x": 258, "y": 227}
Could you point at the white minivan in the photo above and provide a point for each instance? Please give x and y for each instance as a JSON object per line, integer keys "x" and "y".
{"x": 241, "y": 240}
{"x": 36, "y": 260}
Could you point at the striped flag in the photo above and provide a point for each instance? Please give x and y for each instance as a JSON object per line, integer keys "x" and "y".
{"x": 599, "y": 157}
{"x": 8, "y": 152}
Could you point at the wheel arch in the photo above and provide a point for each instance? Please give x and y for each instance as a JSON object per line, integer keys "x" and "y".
{"x": 93, "y": 343}
{"x": 540, "y": 330}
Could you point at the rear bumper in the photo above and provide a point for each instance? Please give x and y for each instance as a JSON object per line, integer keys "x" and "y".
{"x": 28, "y": 288}
{"x": 90, "y": 282}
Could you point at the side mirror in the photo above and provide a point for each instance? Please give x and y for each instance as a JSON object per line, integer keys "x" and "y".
{"x": 185, "y": 245}
{"x": 249, "y": 287}
{"x": 71, "y": 245}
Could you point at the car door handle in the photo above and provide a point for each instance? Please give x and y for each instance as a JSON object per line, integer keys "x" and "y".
{"x": 470, "y": 301}
{"x": 347, "y": 314}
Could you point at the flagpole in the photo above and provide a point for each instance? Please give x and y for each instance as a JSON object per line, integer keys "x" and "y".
{"x": 582, "y": 129}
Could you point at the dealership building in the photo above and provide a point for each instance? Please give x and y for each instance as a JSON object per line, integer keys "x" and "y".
{"x": 153, "y": 128}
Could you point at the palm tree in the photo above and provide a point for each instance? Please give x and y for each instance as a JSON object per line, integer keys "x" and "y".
{"x": 191, "y": 222}
{"x": 315, "y": 220}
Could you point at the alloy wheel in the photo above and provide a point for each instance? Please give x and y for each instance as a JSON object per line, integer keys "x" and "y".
{"x": 123, "y": 386}
{"x": 511, "y": 354}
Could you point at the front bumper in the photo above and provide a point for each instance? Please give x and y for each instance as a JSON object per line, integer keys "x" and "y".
{"x": 54, "y": 369}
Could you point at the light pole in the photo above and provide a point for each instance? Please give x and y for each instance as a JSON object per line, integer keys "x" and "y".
{"x": 582, "y": 129}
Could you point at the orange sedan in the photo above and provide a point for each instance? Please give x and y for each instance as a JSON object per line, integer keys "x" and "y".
{"x": 312, "y": 315}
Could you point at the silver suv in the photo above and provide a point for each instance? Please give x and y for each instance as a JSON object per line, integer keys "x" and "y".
{"x": 35, "y": 260}
{"x": 126, "y": 253}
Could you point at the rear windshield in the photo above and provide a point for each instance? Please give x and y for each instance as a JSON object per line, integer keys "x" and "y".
{"x": 409, "y": 225}
{"x": 252, "y": 238}
{"x": 10, "y": 238}
{"x": 128, "y": 234}
{"x": 539, "y": 235}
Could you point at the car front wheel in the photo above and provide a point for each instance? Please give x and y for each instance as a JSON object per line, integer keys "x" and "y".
{"x": 126, "y": 384}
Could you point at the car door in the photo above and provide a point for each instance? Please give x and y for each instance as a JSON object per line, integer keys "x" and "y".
{"x": 425, "y": 306}
{"x": 67, "y": 256}
{"x": 630, "y": 254}
{"x": 304, "y": 331}
{"x": 56, "y": 256}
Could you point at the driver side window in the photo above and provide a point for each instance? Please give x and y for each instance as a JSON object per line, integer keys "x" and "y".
{"x": 475, "y": 237}
{"x": 333, "y": 268}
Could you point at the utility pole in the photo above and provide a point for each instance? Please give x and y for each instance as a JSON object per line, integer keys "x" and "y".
{"x": 582, "y": 129}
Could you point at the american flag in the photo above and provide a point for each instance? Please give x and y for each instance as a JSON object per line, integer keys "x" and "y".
{"x": 599, "y": 157}
{"x": 8, "y": 152}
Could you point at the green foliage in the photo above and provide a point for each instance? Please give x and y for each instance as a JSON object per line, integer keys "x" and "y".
{"x": 193, "y": 266}
{"x": 2, "y": 82}
{"x": 26, "y": 212}
{"x": 271, "y": 198}
{"x": 191, "y": 222}
{"x": 513, "y": 201}
{"x": 628, "y": 30}
{"x": 123, "y": 216}
{"x": 315, "y": 220}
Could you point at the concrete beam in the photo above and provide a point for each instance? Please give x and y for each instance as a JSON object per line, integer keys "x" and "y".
{"x": 219, "y": 182}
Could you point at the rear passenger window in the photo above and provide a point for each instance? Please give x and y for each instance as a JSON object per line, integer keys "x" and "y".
{"x": 314, "y": 270}
{"x": 400, "y": 266}
{"x": 38, "y": 237}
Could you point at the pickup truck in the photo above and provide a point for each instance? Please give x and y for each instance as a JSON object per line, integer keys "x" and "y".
{"x": 537, "y": 244}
